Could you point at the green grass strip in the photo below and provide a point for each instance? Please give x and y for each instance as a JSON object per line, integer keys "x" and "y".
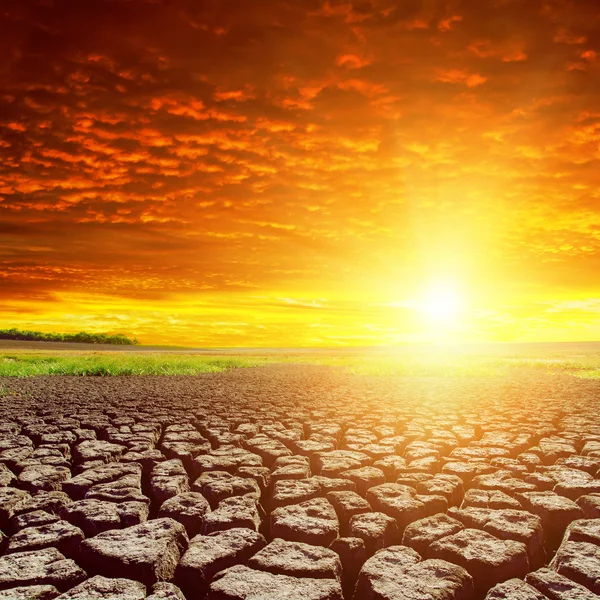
{"x": 107, "y": 365}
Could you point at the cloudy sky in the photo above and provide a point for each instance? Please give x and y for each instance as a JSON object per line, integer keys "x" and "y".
{"x": 314, "y": 172}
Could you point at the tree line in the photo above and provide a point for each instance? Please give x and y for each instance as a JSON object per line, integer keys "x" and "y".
{"x": 83, "y": 337}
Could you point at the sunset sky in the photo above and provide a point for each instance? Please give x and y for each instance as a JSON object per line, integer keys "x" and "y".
{"x": 301, "y": 172}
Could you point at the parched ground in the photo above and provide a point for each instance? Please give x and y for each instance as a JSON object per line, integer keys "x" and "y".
{"x": 300, "y": 482}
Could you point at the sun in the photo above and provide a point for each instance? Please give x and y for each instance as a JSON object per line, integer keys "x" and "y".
{"x": 441, "y": 303}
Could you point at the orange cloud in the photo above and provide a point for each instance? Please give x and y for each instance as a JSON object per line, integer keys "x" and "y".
{"x": 471, "y": 80}
{"x": 507, "y": 52}
{"x": 285, "y": 172}
{"x": 448, "y": 24}
{"x": 352, "y": 61}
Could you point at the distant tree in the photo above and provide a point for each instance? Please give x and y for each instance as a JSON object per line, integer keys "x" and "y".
{"x": 80, "y": 337}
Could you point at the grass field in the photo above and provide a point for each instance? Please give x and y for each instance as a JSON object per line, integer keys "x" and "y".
{"x": 581, "y": 362}
{"x": 110, "y": 364}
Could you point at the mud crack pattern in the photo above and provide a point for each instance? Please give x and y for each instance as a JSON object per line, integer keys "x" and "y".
{"x": 300, "y": 482}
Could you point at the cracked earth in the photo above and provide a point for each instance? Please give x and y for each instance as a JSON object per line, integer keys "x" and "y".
{"x": 300, "y": 483}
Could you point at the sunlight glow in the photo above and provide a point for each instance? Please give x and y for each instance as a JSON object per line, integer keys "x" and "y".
{"x": 442, "y": 303}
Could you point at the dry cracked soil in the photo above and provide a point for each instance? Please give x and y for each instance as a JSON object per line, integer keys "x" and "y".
{"x": 300, "y": 483}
